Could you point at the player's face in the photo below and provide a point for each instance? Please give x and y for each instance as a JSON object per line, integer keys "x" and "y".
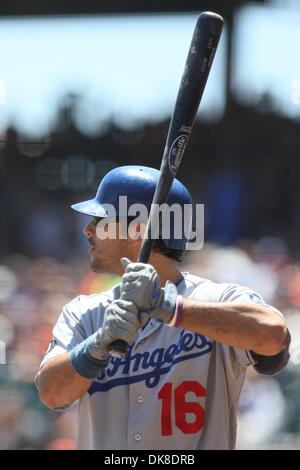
{"x": 105, "y": 248}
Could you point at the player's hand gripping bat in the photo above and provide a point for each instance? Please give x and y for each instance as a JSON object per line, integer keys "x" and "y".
{"x": 202, "y": 50}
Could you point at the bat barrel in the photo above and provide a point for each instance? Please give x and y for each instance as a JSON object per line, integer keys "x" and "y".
{"x": 202, "y": 50}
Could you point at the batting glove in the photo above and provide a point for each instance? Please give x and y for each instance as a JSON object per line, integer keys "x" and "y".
{"x": 122, "y": 320}
{"x": 141, "y": 285}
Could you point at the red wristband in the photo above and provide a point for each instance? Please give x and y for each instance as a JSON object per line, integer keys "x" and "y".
{"x": 177, "y": 317}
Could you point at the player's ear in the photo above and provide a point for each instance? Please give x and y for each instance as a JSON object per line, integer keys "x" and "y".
{"x": 136, "y": 231}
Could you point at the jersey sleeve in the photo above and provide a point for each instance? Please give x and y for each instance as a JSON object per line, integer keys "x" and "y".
{"x": 67, "y": 332}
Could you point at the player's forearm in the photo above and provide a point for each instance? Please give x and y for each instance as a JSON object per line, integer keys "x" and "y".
{"x": 245, "y": 326}
{"x": 58, "y": 383}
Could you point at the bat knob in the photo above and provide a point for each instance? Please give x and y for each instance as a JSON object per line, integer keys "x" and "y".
{"x": 119, "y": 348}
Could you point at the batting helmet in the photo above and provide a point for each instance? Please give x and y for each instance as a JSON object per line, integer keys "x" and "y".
{"x": 138, "y": 184}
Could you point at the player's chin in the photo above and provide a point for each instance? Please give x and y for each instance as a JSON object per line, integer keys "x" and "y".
{"x": 96, "y": 265}
{"x": 93, "y": 261}
{"x": 95, "y": 268}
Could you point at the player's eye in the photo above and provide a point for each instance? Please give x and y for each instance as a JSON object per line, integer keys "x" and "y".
{"x": 96, "y": 220}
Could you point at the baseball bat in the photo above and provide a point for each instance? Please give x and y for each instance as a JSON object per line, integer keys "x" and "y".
{"x": 200, "y": 57}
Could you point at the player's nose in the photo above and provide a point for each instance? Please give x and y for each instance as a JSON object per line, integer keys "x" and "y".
{"x": 88, "y": 230}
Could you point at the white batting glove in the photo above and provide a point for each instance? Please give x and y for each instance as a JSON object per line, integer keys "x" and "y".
{"x": 141, "y": 285}
{"x": 122, "y": 320}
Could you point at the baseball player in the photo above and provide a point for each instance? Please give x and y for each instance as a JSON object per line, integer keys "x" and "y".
{"x": 191, "y": 340}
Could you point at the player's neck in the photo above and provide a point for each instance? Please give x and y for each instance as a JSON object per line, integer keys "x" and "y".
{"x": 166, "y": 268}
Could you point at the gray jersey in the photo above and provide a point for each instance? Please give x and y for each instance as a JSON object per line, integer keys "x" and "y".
{"x": 175, "y": 390}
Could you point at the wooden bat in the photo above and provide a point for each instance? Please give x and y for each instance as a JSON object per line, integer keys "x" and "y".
{"x": 200, "y": 57}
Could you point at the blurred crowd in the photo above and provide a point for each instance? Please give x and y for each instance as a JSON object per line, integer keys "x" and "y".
{"x": 245, "y": 169}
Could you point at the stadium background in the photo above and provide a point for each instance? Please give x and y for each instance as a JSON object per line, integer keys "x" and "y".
{"x": 243, "y": 165}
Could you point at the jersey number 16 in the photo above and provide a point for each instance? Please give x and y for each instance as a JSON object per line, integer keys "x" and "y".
{"x": 181, "y": 407}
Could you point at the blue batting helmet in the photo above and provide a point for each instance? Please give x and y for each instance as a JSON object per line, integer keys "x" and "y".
{"x": 138, "y": 184}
